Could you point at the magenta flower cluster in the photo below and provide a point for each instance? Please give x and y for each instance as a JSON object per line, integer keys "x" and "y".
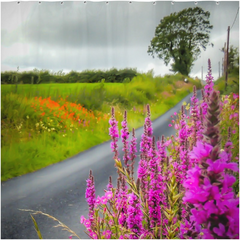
{"x": 202, "y": 200}
{"x": 134, "y": 216}
{"x": 215, "y": 211}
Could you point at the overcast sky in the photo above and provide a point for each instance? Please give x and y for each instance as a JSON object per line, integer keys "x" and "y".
{"x": 96, "y": 35}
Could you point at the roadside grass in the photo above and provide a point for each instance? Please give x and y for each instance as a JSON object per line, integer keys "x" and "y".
{"x": 28, "y": 156}
{"x": 47, "y": 123}
{"x": 232, "y": 84}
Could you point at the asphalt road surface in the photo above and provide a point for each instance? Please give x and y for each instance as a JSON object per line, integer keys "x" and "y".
{"x": 59, "y": 189}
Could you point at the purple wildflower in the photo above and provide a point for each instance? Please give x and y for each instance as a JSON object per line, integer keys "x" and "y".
{"x": 132, "y": 152}
{"x": 113, "y": 132}
{"x": 110, "y": 186}
{"x": 209, "y": 79}
{"x": 90, "y": 195}
{"x": 208, "y": 187}
{"x": 124, "y": 136}
{"x": 134, "y": 215}
{"x": 107, "y": 234}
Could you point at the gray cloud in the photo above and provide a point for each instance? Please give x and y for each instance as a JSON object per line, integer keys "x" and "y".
{"x": 95, "y": 35}
{"x": 93, "y": 24}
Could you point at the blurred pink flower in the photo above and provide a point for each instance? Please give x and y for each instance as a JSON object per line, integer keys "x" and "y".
{"x": 82, "y": 219}
{"x": 87, "y": 223}
{"x": 108, "y": 194}
{"x": 170, "y": 125}
{"x": 107, "y": 234}
{"x": 235, "y": 115}
{"x": 235, "y": 96}
{"x": 104, "y": 200}
{"x": 168, "y": 142}
{"x": 111, "y": 222}
{"x": 98, "y": 201}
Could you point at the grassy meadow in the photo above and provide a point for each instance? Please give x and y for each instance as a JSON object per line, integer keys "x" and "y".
{"x": 42, "y": 124}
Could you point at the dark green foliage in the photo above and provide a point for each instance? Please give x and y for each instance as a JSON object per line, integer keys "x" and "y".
{"x": 233, "y": 83}
{"x": 233, "y": 66}
{"x": 88, "y": 76}
{"x": 179, "y": 37}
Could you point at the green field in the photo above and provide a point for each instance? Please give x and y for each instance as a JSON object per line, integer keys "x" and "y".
{"x": 47, "y": 123}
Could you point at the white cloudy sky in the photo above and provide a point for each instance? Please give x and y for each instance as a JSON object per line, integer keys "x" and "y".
{"x": 95, "y": 35}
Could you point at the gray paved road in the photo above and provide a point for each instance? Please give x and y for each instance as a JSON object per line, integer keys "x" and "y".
{"x": 59, "y": 190}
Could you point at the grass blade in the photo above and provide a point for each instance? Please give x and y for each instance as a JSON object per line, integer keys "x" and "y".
{"x": 36, "y": 227}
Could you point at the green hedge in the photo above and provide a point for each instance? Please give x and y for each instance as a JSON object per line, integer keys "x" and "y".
{"x": 88, "y": 76}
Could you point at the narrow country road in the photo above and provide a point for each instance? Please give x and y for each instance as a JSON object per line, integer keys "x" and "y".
{"x": 59, "y": 189}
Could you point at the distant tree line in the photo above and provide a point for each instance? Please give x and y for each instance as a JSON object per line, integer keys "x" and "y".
{"x": 88, "y": 76}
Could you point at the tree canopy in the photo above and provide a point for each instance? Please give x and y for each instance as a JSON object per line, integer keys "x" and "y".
{"x": 180, "y": 37}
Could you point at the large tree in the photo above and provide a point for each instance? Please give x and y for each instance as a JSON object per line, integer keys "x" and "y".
{"x": 180, "y": 37}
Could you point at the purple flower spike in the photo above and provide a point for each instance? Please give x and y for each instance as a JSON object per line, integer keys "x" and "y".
{"x": 90, "y": 195}
{"x": 124, "y": 136}
{"x": 209, "y": 79}
{"x": 132, "y": 152}
{"x": 110, "y": 186}
{"x": 113, "y": 132}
